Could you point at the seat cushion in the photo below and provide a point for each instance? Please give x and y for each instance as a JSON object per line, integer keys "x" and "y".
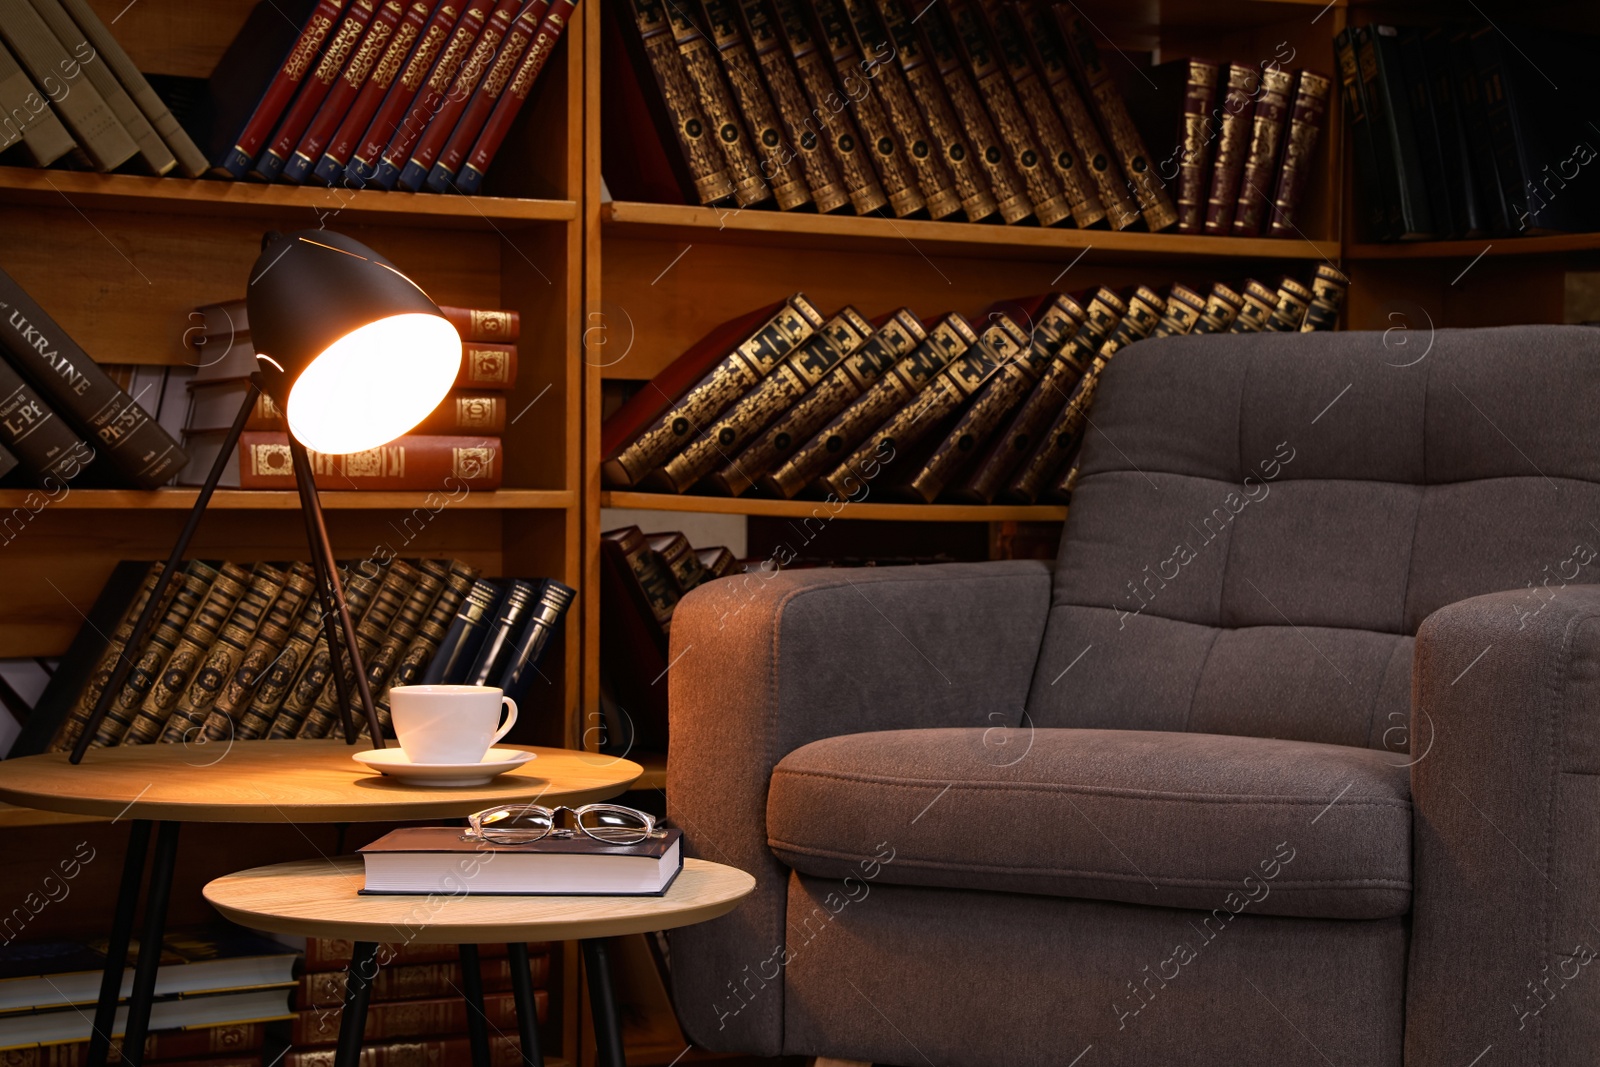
{"x": 1182, "y": 820}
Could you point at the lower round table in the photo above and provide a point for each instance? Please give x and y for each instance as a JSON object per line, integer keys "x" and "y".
{"x": 253, "y": 782}
{"x": 319, "y": 898}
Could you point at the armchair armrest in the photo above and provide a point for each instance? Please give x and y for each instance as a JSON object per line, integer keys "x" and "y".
{"x": 765, "y": 663}
{"x": 1506, "y": 833}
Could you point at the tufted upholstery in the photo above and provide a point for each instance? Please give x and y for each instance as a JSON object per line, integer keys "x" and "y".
{"x": 1269, "y": 523}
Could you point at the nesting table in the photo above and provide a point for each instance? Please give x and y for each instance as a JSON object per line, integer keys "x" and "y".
{"x": 159, "y": 787}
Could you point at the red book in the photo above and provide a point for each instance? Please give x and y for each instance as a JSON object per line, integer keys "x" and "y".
{"x": 370, "y": 145}
{"x": 459, "y": 414}
{"x": 484, "y": 324}
{"x": 469, "y": 179}
{"x": 487, "y": 366}
{"x": 414, "y": 1018}
{"x": 409, "y": 122}
{"x": 242, "y": 156}
{"x": 462, "y": 86}
{"x": 412, "y": 462}
{"x": 476, "y": 113}
{"x": 343, "y": 142}
{"x": 334, "y": 106}
{"x": 341, "y": 43}
{"x": 231, "y": 319}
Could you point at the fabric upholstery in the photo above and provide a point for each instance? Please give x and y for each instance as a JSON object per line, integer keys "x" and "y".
{"x": 766, "y": 663}
{"x": 1507, "y": 831}
{"x": 1270, "y": 519}
{"x": 892, "y": 974}
{"x": 1170, "y": 819}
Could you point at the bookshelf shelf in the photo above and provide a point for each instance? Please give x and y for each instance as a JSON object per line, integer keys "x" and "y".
{"x": 723, "y": 505}
{"x": 1554, "y": 244}
{"x": 263, "y": 500}
{"x": 851, "y": 233}
{"x": 183, "y": 196}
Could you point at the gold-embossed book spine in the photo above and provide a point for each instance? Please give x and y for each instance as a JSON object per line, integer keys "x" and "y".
{"x": 1256, "y": 310}
{"x": 83, "y": 706}
{"x": 399, "y": 580}
{"x": 314, "y": 665}
{"x": 226, "y": 720}
{"x": 1184, "y": 308}
{"x": 198, "y": 634}
{"x": 189, "y": 591}
{"x": 1328, "y": 287}
{"x": 1238, "y": 85}
{"x": 1198, "y": 134}
{"x": 760, "y": 116}
{"x": 700, "y": 63}
{"x": 222, "y": 658}
{"x": 704, "y": 162}
{"x": 1266, "y": 138}
{"x": 1222, "y": 307}
{"x": 1306, "y": 119}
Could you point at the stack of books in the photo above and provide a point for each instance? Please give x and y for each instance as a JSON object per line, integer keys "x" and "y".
{"x": 64, "y": 421}
{"x": 416, "y": 1014}
{"x": 415, "y": 95}
{"x": 456, "y": 449}
{"x": 241, "y": 653}
{"x": 1459, "y": 134}
{"x": 785, "y": 400}
{"x": 215, "y": 990}
{"x": 965, "y": 109}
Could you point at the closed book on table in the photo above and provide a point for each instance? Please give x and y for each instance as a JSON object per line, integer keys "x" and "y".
{"x": 1238, "y": 84}
{"x": 31, "y": 121}
{"x": 1308, "y": 113}
{"x": 426, "y": 859}
{"x": 442, "y": 464}
{"x": 459, "y": 646}
{"x": 346, "y": 87}
{"x": 420, "y": 651}
{"x": 343, "y": 40}
{"x": 80, "y": 391}
{"x": 79, "y": 104}
{"x": 395, "y": 108}
{"x": 258, "y": 74}
{"x": 1267, "y": 127}
{"x": 370, "y": 90}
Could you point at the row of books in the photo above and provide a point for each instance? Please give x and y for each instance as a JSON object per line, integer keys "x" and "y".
{"x": 785, "y": 399}
{"x": 1462, "y": 134}
{"x": 971, "y": 108}
{"x": 415, "y": 95}
{"x": 242, "y": 653}
{"x": 246, "y": 999}
{"x": 457, "y": 448}
{"x": 62, "y": 417}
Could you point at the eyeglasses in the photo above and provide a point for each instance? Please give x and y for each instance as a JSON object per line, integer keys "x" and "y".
{"x": 520, "y": 824}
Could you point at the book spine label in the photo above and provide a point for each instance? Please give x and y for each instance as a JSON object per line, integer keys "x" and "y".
{"x": 462, "y": 89}
{"x": 341, "y": 44}
{"x": 100, "y": 677}
{"x": 1233, "y": 142}
{"x": 760, "y": 116}
{"x": 429, "y": 97}
{"x": 225, "y": 721}
{"x": 1305, "y": 126}
{"x": 946, "y": 341}
{"x": 773, "y": 394}
{"x": 382, "y": 610}
{"x": 345, "y": 140}
{"x": 223, "y": 657}
{"x": 316, "y": 673}
{"x": 199, "y": 633}
{"x": 1328, "y": 287}
{"x": 1222, "y": 305}
{"x": 296, "y": 65}
{"x": 431, "y": 577}
{"x": 706, "y": 164}
{"x": 1255, "y": 185}
{"x": 743, "y": 367}
{"x": 1196, "y": 136}
{"x": 1256, "y": 310}
{"x": 799, "y": 140}
{"x": 445, "y": 465}
{"x": 860, "y": 369}
{"x": 46, "y": 446}
{"x": 1049, "y": 205}
{"x": 476, "y": 325}
{"x": 336, "y": 106}
{"x": 1184, "y": 308}
{"x": 185, "y": 597}
{"x": 673, "y": 552}
{"x": 654, "y": 586}
{"x": 487, "y": 366}
{"x": 544, "y": 623}
{"x": 76, "y": 386}
{"x": 1290, "y": 310}
{"x": 498, "y": 124}
{"x": 397, "y": 103}
{"x": 831, "y": 109}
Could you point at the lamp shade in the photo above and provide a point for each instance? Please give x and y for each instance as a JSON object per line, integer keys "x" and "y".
{"x": 352, "y": 350}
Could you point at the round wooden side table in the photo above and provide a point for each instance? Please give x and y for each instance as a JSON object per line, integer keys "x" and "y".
{"x": 319, "y": 898}
{"x": 253, "y": 782}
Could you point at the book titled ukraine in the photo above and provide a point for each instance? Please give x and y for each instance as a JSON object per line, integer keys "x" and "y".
{"x": 426, "y": 859}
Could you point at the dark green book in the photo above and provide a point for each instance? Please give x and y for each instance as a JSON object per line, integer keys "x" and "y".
{"x": 499, "y": 641}
{"x": 1372, "y": 194}
{"x": 1399, "y": 162}
{"x": 459, "y": 649}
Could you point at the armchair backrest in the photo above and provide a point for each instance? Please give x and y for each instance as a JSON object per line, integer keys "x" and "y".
{"x": 1262, "y": 522}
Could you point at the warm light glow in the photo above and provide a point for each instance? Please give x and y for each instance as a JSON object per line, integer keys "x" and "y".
{"x": 374, "y": 383}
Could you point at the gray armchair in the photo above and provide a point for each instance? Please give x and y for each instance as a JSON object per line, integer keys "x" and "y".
{"x": 1293, "y": 757}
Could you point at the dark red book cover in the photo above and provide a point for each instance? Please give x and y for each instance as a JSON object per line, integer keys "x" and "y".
{"x": 476, "y": 111}
{"x": 412, "y": 121}
{"x": 469, "y": 179}
{"x": 343, "y": 142}
{"x": 315, "y": 87}
{"x": 373, "y": 45}
{"x": 439, "y": 31}
{"x": 413, "y": 462}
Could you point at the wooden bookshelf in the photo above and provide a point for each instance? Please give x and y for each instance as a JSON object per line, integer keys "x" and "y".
{"x": 867, "y": 509}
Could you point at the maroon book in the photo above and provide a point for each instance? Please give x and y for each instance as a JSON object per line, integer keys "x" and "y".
{"x": 343, "y": 142}
{"x": 439, "y": 31}
{"x": 476, "y": 112}
{"x": 341, "y": 43}
{"x": 373, "y": 45}
{"x": 469, "y": 179}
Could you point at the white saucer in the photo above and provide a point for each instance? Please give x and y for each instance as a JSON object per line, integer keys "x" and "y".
{"x": 393, "y": 762}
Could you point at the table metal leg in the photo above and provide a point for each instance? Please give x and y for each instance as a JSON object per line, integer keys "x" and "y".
{"x": 150, "y": 938}
{"x": 477, "y": 1020}
{"x": 603, "y": 1005}
{"x": 358, "y": 981}
{"x": 105, "y": 1011}
{"x": 527, "y": 1008}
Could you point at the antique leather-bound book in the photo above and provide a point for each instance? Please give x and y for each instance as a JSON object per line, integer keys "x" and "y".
{"x": 184, "y": 596}
{"x": 946, "y": 340}
{"x": 342, "y": 43}
{"x": 1267, "y": 126}
{"x": 1048, "y": 50}
{"x": 1259, "y": 302}
{"x": 1328, "y": 287}
{"x": 673, "y": 551}
{"x": 651, "y": 586}
{"x": 314, "y": 662}
{"x": 66, "y": 734}
{"x": 971, "y": 41}
{"x": 724, "y": 128}
{"x": 395, "y": 108}
{"x": 1055, "y": 144}
{"x": 464, "y": 634}
{"x": 399, "y": 580}
{"x": 699, "y": 385}
{"x": 415, "y": 656}
{"x": 47, "y": 448}
{"x": 277, "y": 681}
{"x": 1012, "y": 445}
{"x": 1197, "y": 136}
{"x": 892, "y": 338}
{"x": 1183, "y": 311}
{"x": 1222, "y": 307}
{"x": 199, "y": 632}
{"x": 761, "y": 120}
{"x": 1290, "y": 310}
{"x": 227, "y": 712}
{"x": 187, "y": 721}
{"x": 999, "y": 343}
{"x": 720, "y": 440}
{"x": 812, "y": 148}
{"x": 422, "y": 462}
{"x": 1307, "y": 115}
{"x": 1054, "y": 320}
{"x": 1238, "y": 84}
{"x": 341, "y": 144}
{"x": 877, "y": 61}
{"x": 1155, "y": 202}
{"x": 380, "y": 31}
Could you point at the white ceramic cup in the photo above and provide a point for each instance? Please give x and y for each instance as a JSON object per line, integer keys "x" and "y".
{"x": 449, "y": 723}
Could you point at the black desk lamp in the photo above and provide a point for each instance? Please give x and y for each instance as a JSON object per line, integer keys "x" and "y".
{"x": 355, "y": 354}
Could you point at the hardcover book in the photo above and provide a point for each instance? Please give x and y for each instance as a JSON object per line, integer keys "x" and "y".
{"x": 258, "y": 75}
{"x": 224, "y": 656}
{"x": 1307, "y": 115}
{"x": 431, "y": 575}
{"x": 499, "y": 639}
{"x": 1261, "y": 162}
{"x": 420, "y": 16}
{"x": 704, "y": 70}
{"x": 417, "y": 655}
{"x": 186, "y": 594}
{"x": 422, "y": 859}
{"x": 83, "y": 109}
{"x": 395, "y": 109}
{"x": 347, "y": 86}
{"x": 458, "y": 648}
{"x": 342, "y": 42}
{"x": 1238, "y": 83}
{"x": 414, "y": 462}
{"x": 227, "y": 711}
